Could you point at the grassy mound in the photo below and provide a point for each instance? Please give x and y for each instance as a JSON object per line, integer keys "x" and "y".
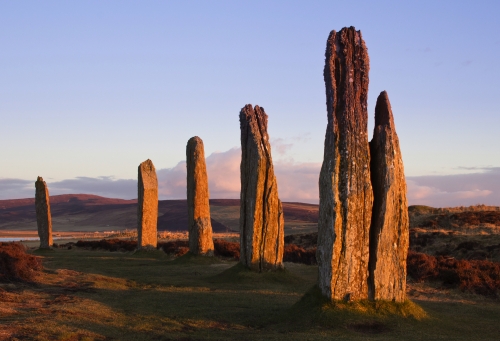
{"x": 192, "y": 259}
{"x": 241, "y": 274}
{"x": 371, "y": 317}
{"x": 148, "y": 253}
{"x": 16, "y": 264}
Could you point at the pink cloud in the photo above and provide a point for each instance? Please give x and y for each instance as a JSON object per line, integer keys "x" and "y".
{"x": 299, "y": 182}
{"x": 296, "y": 181}
{"x": 451, "y": 190}
{"x": 223, "y": 170}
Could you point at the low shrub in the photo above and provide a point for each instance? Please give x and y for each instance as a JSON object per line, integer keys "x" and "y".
{"x": 292, "y": 253}
{"x": 421, "y": 266}
{"x": 177, "y": 247}
{"x": 16, "y": 264}
{"x": 306, "y": 241}
{"x": 423, "y": 239}
{"x": 478, "y": 276}
{"x": 477, "y": 218}
{"x": 296, "y": 254}
{"x": 227, "y": 249}
{"x": 109, "y": 244}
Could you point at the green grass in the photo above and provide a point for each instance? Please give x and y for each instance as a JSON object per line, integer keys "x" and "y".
{"x": 151, "y": 296}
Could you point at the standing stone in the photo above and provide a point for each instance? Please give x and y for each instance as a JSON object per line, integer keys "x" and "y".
{"x": 43, "y": 216}
{"x": 346, "y": 194}
{"x": 389, "y": 232}
{"x": 200, "y": 227}
{"x": 261, "y": 213}
{"x": 147, "y": 206}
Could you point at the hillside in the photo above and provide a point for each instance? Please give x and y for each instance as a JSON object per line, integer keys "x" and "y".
{"x": 83, "y": 212}
{"x": 471, "y": 233}
{"x": 460, "y": 232}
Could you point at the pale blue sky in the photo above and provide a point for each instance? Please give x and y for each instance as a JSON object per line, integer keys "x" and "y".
{"x": 93, "y": 88}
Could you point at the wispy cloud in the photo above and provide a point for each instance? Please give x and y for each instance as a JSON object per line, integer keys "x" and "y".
{"x": 105, "y": 186}
{"x": 480, "y": 187}
{"x": 466, "y": 62}
{"x": 280, "y": 146}
{"x": 296, "y": 182}
{"x": 16, "y": 188}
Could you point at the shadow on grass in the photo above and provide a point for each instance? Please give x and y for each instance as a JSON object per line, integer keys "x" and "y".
{"x": 148, "y": 253}
{"x": 119, "y": 296}
{"x": 43, "y": 251}
{"x": 192, "y": 259}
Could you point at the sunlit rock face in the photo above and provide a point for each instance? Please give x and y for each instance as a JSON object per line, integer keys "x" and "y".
{"x": 261, "y": 212}
{"x": 147, "y": 206}
{"x": 346, "y": 195}
{"x": 43, "y": 216}
{"x": 200, "y": 227}
{"x": 389, "y": 232}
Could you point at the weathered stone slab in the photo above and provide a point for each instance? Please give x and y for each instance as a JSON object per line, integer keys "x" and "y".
{"x": 389, "y": 232}
{"x": 261, "y": 212}
{"x": 147, "y": 206}
{"x": 346, "y": 194}
{"x": 200, "y": 227}
{"x": 43, "y": 216}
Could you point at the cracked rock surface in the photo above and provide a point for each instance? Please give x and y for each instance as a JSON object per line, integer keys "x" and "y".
{"x": 346, "y": 194}
{"x": 147, "y": 205}
{"x": 261, "y": 212}
{"x": 43, "y": 216}
{"x": 389, "y": 232}
{"x": 200, "y": 227}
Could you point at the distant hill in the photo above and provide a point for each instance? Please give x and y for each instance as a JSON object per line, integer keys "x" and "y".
{"x": 69, "y": 199}
{"x": 85, "y": 212}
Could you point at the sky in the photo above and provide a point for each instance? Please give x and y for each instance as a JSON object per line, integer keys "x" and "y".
{"x": 90, "y": 89}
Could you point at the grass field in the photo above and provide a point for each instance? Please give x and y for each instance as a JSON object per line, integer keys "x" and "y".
{"x": 98, "y": 295}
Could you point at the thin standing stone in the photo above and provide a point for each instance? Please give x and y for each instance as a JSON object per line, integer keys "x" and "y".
{"x": 200, "y": 227}
{"x": 43, "y": 216}
{"x": 389, "y": 232}
{"x": 346, "y": 195}
{"x": 147, "y": 206}
{"x": 261, "y": 212}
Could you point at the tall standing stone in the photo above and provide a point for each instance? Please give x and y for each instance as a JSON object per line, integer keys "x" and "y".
{"x": 43, "y": 216}
{"x": 147, "y": 206}
{"x": 200, "y": 227}
{"x": 261, "y": 212}
{"x": 389, "y": 232}
{"x": 346, "y": 194}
